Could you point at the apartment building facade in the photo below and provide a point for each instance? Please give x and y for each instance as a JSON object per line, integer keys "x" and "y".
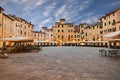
{"x": 49, "y": 33}
{"x": 1, "y": 22}
{"x": 63, "y": 32}
{"x": 110, "y": 22}
{"x": 40, "y": 38}
{"x": 12, "y": 26}
{"x": 8, "y": 26}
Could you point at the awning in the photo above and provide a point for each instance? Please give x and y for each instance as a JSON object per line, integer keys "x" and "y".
{"x": 45, "y": 42}
{"x": 113, "y": 35}
{"x": 114, "y": 40}
{"x": 17, "y": 39}
{"x": 97, "y": 41}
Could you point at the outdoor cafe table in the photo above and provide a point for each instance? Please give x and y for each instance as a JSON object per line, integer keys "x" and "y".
{"x": 1, "y": 51}
{"x": 110, "y": 52}
{"x": 113, "y": 52}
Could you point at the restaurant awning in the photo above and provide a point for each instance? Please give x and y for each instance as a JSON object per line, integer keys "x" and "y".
{"x": 113, "y": 35}
{"x": 45, "y": 42}
{"x": 114, "y": 40}
{"x": 97, "y": 41}
{"x": 17, "y": 39}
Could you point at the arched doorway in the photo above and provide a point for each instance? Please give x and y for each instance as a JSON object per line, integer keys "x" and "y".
{"x": 59, "y": 42}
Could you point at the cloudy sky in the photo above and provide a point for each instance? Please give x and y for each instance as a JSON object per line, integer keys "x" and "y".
{"x": 47, "y": 12}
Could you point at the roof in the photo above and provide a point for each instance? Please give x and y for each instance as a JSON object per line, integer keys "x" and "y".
{"x": 110, "y": 13}
{"x": 8, "y": 16}
{"x": 57, "y": 23}
{"x": 113, "y": 35}
{"x": 1, "y": 8}
{"x": 69, "y": 23}
{"x": 39, "y": 32}
{"x": 20, "y": 19}
{"x": 44, "y": 27}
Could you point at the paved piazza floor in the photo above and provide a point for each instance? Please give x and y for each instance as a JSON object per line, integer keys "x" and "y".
{"x": 60, "y": 63}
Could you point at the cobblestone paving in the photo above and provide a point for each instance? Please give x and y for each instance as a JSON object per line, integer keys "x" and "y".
{"x": 60, "y": 63}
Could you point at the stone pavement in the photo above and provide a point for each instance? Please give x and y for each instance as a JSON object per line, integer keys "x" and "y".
{"x": 60, "y": 63}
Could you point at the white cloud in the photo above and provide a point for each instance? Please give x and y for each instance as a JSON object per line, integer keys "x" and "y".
{"x": 45, "y": 22}
{"x": 39, "y": 2}
{"x": 49, "y": 9}
{"x": 4, "y": 2}
{"x": 20, "y": 1}
{"x": 84, "y": 4}
{"x": 71, "y": 9}
{"x": 29, "y": 4}
{"x": 91, "y": 20}
{"x": 33, "y": 4}
{"x": 60, "y": 10}
{"x": 115, "y": 3}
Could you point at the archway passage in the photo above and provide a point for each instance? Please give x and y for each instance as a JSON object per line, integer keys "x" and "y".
{"x": 59, "y": 42}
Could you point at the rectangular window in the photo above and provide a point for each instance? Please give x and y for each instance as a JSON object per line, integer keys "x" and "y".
{"x": 62, "y": 37}
{"x": 68, "y": 30}
{"x": 4, "y": 19}
{"x": 97, "y": 26}
{"x": 104, "y": 24}
{"x": 104, "y": 18}
{"x": 62, "y": 26}
{"x": 58, "y": 36}
{"x": 93, "y": 28}
{"x": 20, "y": 32}
{"x": 68, "y": 36}
{"x": 109, "y": 22}
{"x": 78, "y": 36}
{"x": 113, "y": 22}
{"x": 86, "y": 34}
{"x": 62, "y": 31}
{"x": 101, "y": 32}
{"x": 58, "y": 30}
{"x": 113, "y": 14}
{"x": 75, "y": 36}
{"x": 24, "y": 33}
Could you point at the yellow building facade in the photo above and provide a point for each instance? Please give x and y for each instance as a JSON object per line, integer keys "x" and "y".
{"x": 12, "y": 26}
{"x": 22, "y": 27}
{"x": 110, "y": 22}
{"x": 49, "y": 33}
{"x": 63, "y": 32}
{"x": 39, "y": 38}
{"x": 8, "y": 26}
{"x": 1, "y": 22}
